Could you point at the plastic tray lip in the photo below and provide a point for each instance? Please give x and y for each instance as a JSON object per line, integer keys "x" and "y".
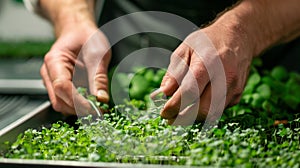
{"x": 81, "y": 164}
{"x": 26, "y": 117}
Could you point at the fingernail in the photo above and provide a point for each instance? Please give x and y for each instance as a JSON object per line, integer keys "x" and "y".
{"x": 155, "y": 93}
{"x": 102, "y": 96}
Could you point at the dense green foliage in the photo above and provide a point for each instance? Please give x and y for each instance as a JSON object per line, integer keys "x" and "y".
{"x": 119, "y": 139}
{"x": 247, "y": 135}
{"x": 144, "y": 82}
{"x": 24, "y": 49}
{"x": 268, "y": 97}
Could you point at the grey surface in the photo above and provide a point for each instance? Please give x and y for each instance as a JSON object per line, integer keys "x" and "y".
{"x": 20, "y": 68}
{"x": 19, "y": 81}
{"x": 14, "y": 107}
{"x": 38, "y": 113}
{"x": 22, "y": 86}
{"x": 17, "y": 23}
{"x": 21, "y": 76}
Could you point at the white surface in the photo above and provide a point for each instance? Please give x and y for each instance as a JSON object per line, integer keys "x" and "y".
{"x": 17, "y": 23}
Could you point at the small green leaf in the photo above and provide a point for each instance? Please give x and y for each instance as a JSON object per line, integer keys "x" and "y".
{"x": 254, "y": 79}
{"x": 279, "y": 73}
{"x": 264, "y": 91}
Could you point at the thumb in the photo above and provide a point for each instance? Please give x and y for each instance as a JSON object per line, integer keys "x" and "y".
{"x": 97, "y": 56}
{"x": 97, "y": 77}
{"x": 101, "y": 87}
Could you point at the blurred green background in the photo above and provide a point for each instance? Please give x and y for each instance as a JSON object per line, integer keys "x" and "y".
{"x": 26, "y": 35}
{"x": 22, "y": 33}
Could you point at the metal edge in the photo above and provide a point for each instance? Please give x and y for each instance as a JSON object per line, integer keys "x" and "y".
{"x": 21, "y": 120}
{"x": 61, "y": 163}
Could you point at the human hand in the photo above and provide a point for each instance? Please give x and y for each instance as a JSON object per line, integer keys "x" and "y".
{"x": 237, "y": 36}
{"x": 207, "y": 63}
{"x": 80, "y": 47}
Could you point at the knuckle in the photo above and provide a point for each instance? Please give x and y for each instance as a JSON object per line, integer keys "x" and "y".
{"x": 101, "y": 83}
{"x": 49, "y": 56}
{"x": 179, "y": 54}
{"x": 232, "y": 77}
{"x": 55, "y": 55}
{"x": 238, "y": 92}
{"x": 200, "y": 75}
{"x": 101, "y": 78}
{"x": 58, "y": 85}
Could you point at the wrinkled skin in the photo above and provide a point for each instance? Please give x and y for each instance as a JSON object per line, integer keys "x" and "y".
{"x": 239, "y": 34}
{"x": 189, "y": 82}
{"x": 58, "y": 68}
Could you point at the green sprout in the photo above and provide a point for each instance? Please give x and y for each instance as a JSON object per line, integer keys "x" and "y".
{"x": 133, "y": 132}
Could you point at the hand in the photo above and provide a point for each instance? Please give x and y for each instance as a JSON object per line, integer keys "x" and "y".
{"x": 82, "y": 46}
{"x": 233, "y": 39}
{"x": 211, "y": 60}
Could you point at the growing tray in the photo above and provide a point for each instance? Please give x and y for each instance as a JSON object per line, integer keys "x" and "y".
{"x": 44, "y": 115}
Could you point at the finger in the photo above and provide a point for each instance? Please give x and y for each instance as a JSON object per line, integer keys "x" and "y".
{"x": 235, "y": 89}
{"x": 96, "y": 55}
{"x": 82, "y": 105}
{"x": 99, "y": 80}
{"x": 197, "y": 112}
{"x": 177, "y": 68}
{"x": 186, "y": 117}
{"x": 189, "y": 91}
{"x": 57, "y": 103}
{"x": 59, "y": 67}
{"x": 205, "y": 104}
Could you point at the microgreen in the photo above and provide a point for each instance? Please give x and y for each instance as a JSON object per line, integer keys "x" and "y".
{"x": 133, "y": 132}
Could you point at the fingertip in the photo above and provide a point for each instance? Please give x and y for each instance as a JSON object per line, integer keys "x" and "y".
{"x": 169, "y": 85}
{"x": 168, "y": 90}
{"x": 102, "y": 96}
{"x": 158, "y": 94}
{"x": 168, "y": 112}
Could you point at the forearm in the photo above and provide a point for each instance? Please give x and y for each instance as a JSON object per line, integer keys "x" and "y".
{"x": 263, "y": 23}
{"x": 66, "y": 14}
